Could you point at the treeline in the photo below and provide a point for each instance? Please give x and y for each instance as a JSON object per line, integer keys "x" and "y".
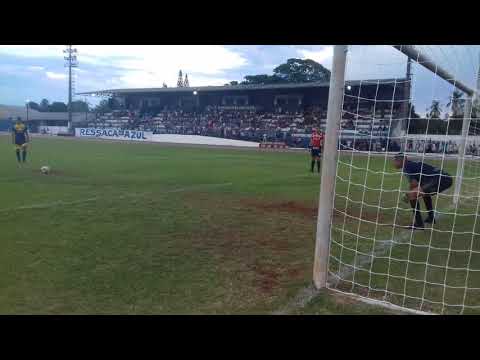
{"x": 293, "y": 71}
{"x": 58, "y": 106}
{"x": 440, "y": 127}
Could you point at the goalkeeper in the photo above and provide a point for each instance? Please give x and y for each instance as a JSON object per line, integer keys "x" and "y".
{"x": 425, "y": 181}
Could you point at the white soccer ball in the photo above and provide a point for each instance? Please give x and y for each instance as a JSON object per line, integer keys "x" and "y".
{"x": 45, "y": 169}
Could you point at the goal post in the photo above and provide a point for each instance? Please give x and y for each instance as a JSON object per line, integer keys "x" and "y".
{"x": 334, "y": 115}
{"x": 462, "y": 147}
{"x": 367, "y": 245}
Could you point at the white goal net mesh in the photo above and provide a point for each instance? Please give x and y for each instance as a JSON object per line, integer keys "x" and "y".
{"x": 377, "y": 250}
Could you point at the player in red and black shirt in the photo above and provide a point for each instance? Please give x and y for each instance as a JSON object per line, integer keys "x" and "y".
{"x": 316, "y": 145}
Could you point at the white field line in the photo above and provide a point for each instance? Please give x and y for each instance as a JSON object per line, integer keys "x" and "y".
{"x": 381, "y": 249}
{"x": 307, "y": 294}
{"x": 382, "y": 303}
{"x": 303, "y": 297}
{"x": 64, "y": 203}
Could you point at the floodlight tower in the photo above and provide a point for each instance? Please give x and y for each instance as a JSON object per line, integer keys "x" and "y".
{"x": 70, "y": 62}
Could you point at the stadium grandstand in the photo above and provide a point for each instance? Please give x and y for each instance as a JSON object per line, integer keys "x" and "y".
{"x": 274, "y": 112}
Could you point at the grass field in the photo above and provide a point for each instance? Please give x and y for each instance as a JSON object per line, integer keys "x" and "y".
{"x": 122, "y": 228}
{"x": 436, "y": 270}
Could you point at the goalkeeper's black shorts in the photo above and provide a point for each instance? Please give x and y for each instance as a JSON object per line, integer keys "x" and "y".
{"x": 436, "y": 184}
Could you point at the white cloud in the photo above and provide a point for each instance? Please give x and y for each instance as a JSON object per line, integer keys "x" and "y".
{"x": 323, "y": 56}
{"x": 40, "y": 51}
{"x": 144, "y": 65}
{"x": 35, "y": 68}
{"x": 55, "y": 76}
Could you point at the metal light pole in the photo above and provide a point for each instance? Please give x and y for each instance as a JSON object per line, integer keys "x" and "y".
{"x": 86, "y": 109}
{"x": 27, "y": 106}
{"x": 71, "y": 62}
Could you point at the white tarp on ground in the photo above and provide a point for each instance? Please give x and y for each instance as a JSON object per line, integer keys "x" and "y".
{"x": 200, "y": 140}
{"x": 132, "y": 135}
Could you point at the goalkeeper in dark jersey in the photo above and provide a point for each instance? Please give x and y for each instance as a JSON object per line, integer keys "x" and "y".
{"x": 20, "y": 139}
{"x": 425, "y": 181}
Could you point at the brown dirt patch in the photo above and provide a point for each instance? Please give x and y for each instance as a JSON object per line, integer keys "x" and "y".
{"x": 354, "y": 215}
{"x": 292, "y": 207}
{"x": 266, "y": 278}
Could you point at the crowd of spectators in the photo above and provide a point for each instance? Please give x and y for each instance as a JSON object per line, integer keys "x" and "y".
{"x": 431, "y": 146}
{"x": 290, "y": 127}
{"x": 369, "y": 144}
{"x": 440, "y": 147}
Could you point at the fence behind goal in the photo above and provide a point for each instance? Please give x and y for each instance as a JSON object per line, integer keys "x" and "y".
{"x": 373, "y": 251}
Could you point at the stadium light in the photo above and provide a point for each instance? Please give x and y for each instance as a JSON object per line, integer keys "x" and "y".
{"x": 195, "y": 92}
{"x": 349, "y": 88}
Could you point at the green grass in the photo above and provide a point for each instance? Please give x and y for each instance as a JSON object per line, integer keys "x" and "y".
{"x": 424, "y": 261}
{"x": 122, "y": 228}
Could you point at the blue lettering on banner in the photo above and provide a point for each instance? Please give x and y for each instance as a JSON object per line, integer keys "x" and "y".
{"x": 113, "y": 133}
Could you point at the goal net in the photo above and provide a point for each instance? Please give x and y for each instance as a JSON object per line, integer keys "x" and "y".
{"x": 419, "y": 101}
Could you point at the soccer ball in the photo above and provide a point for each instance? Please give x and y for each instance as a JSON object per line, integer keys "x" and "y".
{"x": 45, "y": 170}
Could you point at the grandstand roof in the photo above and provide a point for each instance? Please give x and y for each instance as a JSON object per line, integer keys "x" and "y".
{"x": 236, "y": 87}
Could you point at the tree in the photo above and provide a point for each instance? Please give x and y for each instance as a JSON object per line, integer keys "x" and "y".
{"x": 456, "y": 102}
{"x": 293, "y": 71}
{"x": 58, "y": 106}
{"x": 113, "y": 103}
{"x": 44, "y": 105}
{"x": 434, "y": 111}
{"x": 79, "y": 106}
{"x": 33, "y": 105}
{"x": 413, "y": 113}
{"x": 102, "y": 107}
{"x": 476, "y": 108}
{"x": 108, "y": 105}
{"x": 262, "y": 79}
{"x": 299, "y": 70}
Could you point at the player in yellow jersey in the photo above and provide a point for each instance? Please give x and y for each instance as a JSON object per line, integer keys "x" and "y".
{"x": 20, "y": 139}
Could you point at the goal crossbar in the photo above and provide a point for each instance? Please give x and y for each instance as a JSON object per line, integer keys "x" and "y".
{"x": 426, "y": 62}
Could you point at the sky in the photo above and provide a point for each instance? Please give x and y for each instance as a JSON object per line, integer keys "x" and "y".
{"x": 34, "y": 72}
